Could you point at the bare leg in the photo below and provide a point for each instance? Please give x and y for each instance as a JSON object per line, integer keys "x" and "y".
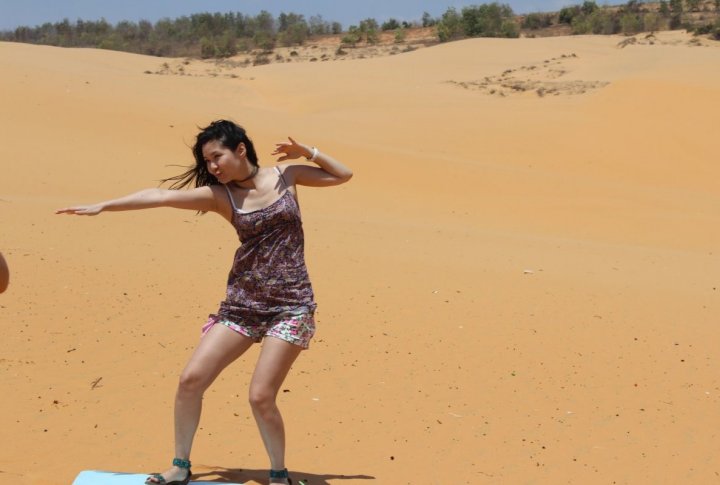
{"x": 276, "y": 358}
{"x": 216, "y": 350}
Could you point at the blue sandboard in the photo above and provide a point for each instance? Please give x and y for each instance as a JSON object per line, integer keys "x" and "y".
{"x": 116, "y": 478}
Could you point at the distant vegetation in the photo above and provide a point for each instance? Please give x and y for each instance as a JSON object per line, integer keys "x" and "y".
{"x": 214, "y": 35}
{"x": 199, "y": 35}
{"x": 488, "y": 20}
{"x": 635, "y": 16}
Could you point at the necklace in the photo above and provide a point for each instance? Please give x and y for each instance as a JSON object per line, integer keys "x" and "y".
{"x": 254, "y": 172}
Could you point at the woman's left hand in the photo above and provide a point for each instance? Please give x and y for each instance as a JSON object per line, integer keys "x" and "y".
{"x": 291, "y": 150}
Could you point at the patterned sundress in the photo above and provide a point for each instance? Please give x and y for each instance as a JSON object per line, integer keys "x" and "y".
{"x": 268, "y": 276}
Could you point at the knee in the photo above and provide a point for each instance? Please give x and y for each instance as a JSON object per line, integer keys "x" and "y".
{"x": 261, "y": 399}
{"x": 192, "y": 382}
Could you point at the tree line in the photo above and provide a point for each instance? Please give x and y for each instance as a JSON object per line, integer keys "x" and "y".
{"x": 209, "y": 35}
{"x": 198, "y": 35}
{"x": 634, "y": 17}
{"x": 499, "y": 20}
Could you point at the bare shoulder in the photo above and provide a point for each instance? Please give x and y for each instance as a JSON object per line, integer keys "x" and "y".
{"x": 288, "y": 171}
{"x": 217, "y": 191}
{"x": 283, "y": 167}
{"x": 222, "y": 200}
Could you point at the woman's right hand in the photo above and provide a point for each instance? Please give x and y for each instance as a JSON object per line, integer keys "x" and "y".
{"x": 82, "y": 210}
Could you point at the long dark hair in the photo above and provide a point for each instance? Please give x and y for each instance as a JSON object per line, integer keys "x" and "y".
{"x": 226, "y": 132}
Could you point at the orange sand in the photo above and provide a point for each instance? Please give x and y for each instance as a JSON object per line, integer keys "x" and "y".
{"x": 513, "y": 288}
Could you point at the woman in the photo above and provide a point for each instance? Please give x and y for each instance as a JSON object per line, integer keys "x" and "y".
{"x": 268, "y": 293}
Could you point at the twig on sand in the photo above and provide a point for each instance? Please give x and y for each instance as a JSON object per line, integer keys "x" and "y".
{"x": 96, "y": 383}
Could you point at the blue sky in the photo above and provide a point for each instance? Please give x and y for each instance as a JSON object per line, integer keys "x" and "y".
{"x": 14, "y": 13}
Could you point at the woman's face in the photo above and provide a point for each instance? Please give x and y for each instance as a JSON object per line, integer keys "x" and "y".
{"x": 223, "y": 163}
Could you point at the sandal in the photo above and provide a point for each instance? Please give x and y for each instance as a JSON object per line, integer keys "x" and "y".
{"x": 280, "y": 474}
{"x": 178, "y": 462}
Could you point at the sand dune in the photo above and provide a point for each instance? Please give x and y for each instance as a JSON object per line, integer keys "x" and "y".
{"x": 513, "y": 289}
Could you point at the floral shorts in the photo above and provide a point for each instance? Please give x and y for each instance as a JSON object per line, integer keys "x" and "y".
{"x": 295, "y": 328}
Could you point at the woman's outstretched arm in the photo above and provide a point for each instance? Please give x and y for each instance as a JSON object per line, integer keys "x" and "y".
{"x": 199, "y": 199}
{"x": 328, "y": 171}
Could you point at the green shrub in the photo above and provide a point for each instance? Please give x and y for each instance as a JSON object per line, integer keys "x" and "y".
{"x": 712, "y": 29}
{"x": 704, "y": 29}
{"x": 295, "y": 34}
{"x": 226, "y": 46}
{"x": 581, "y": 25}
{"x": 207, "y": 48}
{"x": 369, "y": 29}
{"x": 372, "y": 36}
{"x": 489, "y": 20}
{"x": 630, "y": 24}
{"x": 652, "y": 22}
{"x": 600, "y": 21}
{"x": 450, "y": 26}
{"x": 428, "y": 21}
{"x": 535, "y": 21}
{"x": 110, "y": 43}
{"x": 568, "y": 14}
{"x": 318, "y": 26}
{"x": 261, "y": 59}
{"x": 391, "y": 24}
{"x": 509, "y": 30}
{"x": 603, "y": 22}
{"x": 588, "y": 7}
{"x": 264, "y": 41}
{"x": 633, "y": 6}
{"x": 242, "y": 45}
{"x": 352, "y": 37}
{"x": 676, "y": 7}
{"x": 675, "y": 21}
{"x": 665, "y": 9}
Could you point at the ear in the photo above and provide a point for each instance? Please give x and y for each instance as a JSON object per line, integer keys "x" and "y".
{"x": 241, "y": 151}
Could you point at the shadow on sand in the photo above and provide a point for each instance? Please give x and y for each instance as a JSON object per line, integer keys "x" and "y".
{"x": 238, "y": 475}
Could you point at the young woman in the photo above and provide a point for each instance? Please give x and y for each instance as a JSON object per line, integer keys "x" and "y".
{"x": 268, "y": 291}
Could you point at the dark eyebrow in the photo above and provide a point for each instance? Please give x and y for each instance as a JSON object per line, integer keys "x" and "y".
{"x": 212, "y": 154}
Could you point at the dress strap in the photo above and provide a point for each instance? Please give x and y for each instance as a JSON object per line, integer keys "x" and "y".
{"x": 232, "y": 201}
{"x": 282, "y": 179}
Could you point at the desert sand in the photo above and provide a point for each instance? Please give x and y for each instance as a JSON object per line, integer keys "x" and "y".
{"x": 520, "y": 285}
